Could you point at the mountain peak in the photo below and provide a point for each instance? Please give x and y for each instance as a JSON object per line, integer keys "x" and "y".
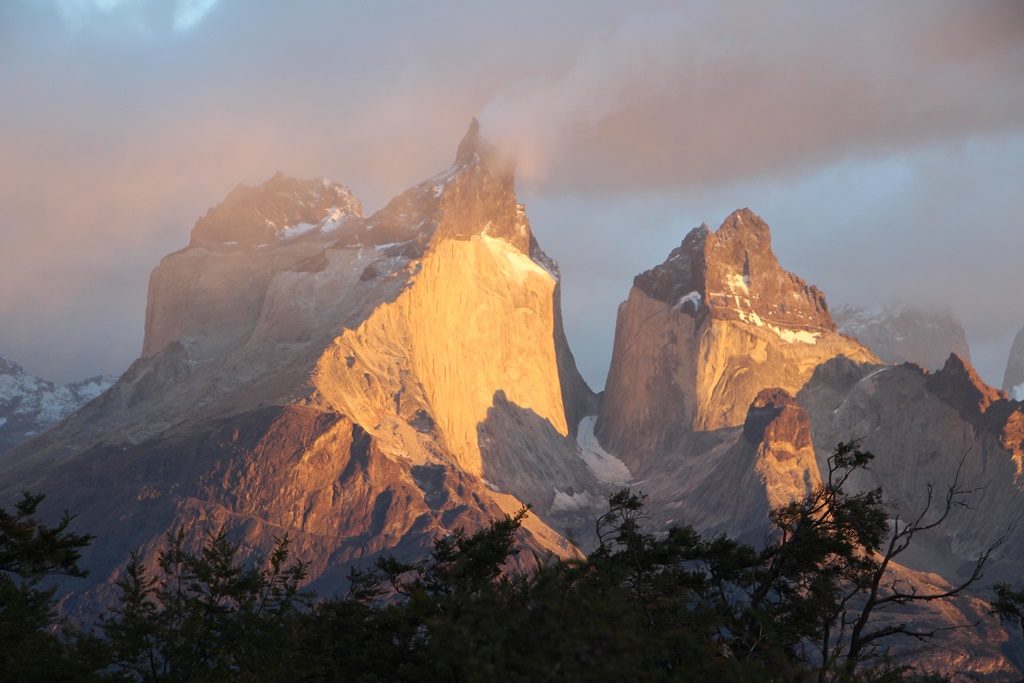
{"x": 900, "y": 333}
{"x": 470, "y": 144}
{"x": 9, "y": 367}
{"x": 959, "y": 385}
{"x": 734, "y": 273}
{"x": 280, "y": 207}
{"x": 743, "y": 220}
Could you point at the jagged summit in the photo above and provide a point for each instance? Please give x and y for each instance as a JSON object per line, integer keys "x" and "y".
{"x": 732, "y": 273}
{"x": 776, "y": 406}
{"x": 959, "y": 385}
{"x": 702, "y": 333}
{"x": 363, "y": 390}
{"x": 30, "y": 404}
{"x": 9, "y": 367}
{"x": 281, "y": 207}
{"x": 475, "y": 197}
{"x": 470, "y": 144}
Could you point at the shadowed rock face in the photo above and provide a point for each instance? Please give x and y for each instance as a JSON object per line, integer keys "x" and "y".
{"x": 364, "y": 386}
{"x": 701, "y": 334}
{"x": 1013, "y": 379}
{"x": 899, "y": 334}
{"x": 731, "y": 479}
{"x": 920, "y": 426}
{"x": 736, "y": 275}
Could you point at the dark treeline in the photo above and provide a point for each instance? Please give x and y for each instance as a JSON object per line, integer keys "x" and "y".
{"x": 643, "y": 607}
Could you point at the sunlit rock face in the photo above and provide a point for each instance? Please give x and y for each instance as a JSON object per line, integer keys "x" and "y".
{"x": 701, "y": 334}
{"x": 29, "y": 405}
{"x": 361, "y": 383}
{"x": 900, "y": 334}
{"x": 785, "y": 461}
{"x": 1013, "y": 379}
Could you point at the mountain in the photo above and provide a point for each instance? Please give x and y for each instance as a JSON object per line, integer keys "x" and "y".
{"x": 730, "y": 386}
{"x": 899, "y": 334}
{"x": 926, "y": 428}
{"x": 363, "y": 384}
{"x": 366, "y": 384}
{"x": 700, "y": 335}
{"x": 1013, "y": 380}
{"x": 29, "y": 405}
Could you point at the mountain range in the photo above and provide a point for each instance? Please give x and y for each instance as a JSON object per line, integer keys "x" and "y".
{"x": 29, "y": 405}
{"x": 367, "y": 383}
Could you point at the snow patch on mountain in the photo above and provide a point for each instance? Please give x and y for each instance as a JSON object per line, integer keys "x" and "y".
{"x": 785, "y": 334}
{"x": 520, "y": 265}
{"x": 605, "y": 466}
{"x": 29, "y": 404}
{"x": 574, "y": 502}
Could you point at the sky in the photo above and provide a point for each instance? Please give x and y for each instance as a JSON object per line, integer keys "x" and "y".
{"x": 883, "y": 142}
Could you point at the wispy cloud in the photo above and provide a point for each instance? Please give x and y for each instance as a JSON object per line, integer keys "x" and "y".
{"x": 635, "y": 121}
{"x": 145, "y": 16}
{"x": 188, "y": 13}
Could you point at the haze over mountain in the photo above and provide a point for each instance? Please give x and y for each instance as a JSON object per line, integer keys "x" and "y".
{"x": 1013, "y": 378}
{"x": 365, "y": 382}
{"x": 367, "y": 367}
{"x": 886, "y": 146}
{"x": 899, "y": 334}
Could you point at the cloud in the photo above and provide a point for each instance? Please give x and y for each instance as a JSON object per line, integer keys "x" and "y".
{"x": 691, "y": 95}
{"x": 632, "y": 123}
{"x": 188, "y": 13}
{"x": 140, "y": 16}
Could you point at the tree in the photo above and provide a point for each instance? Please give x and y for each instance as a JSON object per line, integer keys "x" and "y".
{"x": 34, "y": 643}
{"x": 1009, "y": 605}
{"x": 830, "y": 573}
{"x": 205, "y": 616}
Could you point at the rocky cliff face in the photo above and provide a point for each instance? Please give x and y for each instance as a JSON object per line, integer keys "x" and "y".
{"x": 711, "y": 348}
{"x": 730, "y": 481}
{"x": 364, "y": 383}
{"x": 700, "y": 335}
{"x": 1013, "y": 379}
{"x": 900, "y": 334}
{"x": 921, "y": 426}
{"x": 29, "y": 405}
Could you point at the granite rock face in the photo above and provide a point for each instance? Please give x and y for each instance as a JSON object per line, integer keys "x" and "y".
{"x": 730, "y": 387}
{"x": 363, "y": 385}
{"x": 701, "y": 334}
{"x": 367, "y": 383}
